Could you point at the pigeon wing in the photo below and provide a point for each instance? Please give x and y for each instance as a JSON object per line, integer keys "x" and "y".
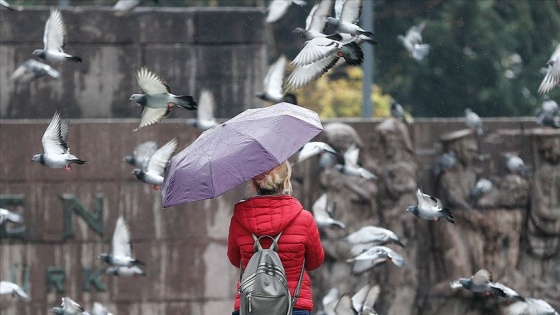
{"x": 396, "y": 258}
{"x": 207, "y": 105}
{"x": 71, "y": 307}
{"x": 151, "y": 116}
{"x": 518, "y": 308}
{"x": 144, "y": 151}
{"x": 55, "y": 137}
{"x": 305, "y": 74}
{"x": 351, "y": 11}
{"x": 359, "y": 298}
{"x": 55, "y": 32}
{"x": 371, "y": 298}
{"x": 121, "y": 239}
{"x": 552, "y": 77}
{"x": 11, "y": 288}
{"x": 277, "y": 9}
{"x": 314, "y": 50}
{"x": 150, "y": 82}
{"x": 344, "y": 306}
{"x": 316, "y": 19}
{"x": 160, "y": 158}
{"x": 275, "y": 77}
{"x": 351, "y": 155}
{"x": 481, "y": 277}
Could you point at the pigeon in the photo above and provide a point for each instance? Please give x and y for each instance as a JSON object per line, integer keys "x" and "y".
{"x": 315, "y": 22}
{"x": 99, "y": 309}
{"x": 321, "y": 213}
{"x": 123, "y": 7}
{"x": 277, "y": 9}
{"x": 125, "y": 271}
{"x": 530, "y": 306}
{"x": 157, "y": 100}
{"x": 32, "y": 69}
{"x": 373, "y": 236}
{"x": 412, "y": 42}
{"x": 329, "y": 302}
{"x": 430, "y": 208}
{"x": 482, "y": 186}
{"x": 481, "y": 282}
{"x": 273, "y": 84}
{"x": 205, "y": 114}
{"x": 351, "y": 166}
{"x": 473, "y": 121}
{"x": 318, "y": 56}
{"x": 54, "y": 40}
{"x": 313, "y": 148}
{"x": 141, "y": 154}
{"x": 6, "y": 215}
{"x": 57, "y": 153}
{"x": 6, "y": 5}
{"x": 375, "y": 256}
{"x": 68, "y": 307}
{"x": 445, "y": 163}
{"x": 552, "y": 77}
{"x": 515, "y": 164}
{"x": 345, "y": 23}
{"x": 548, "y": 114}
{"x": 397, "y": 111}
{"x": 121, "y": 254}
{"x": 13, "y": 289}
{"x": 152, "y": 172}
{"x": 360, "y": 303}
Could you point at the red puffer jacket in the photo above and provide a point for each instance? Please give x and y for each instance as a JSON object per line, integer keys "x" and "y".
{"x": 269, "y": 215}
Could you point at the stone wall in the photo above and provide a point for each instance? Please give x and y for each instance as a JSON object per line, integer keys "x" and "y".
{"x": 70, "y": 217}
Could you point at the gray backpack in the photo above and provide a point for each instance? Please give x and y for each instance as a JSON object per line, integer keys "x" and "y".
{"x": 263, "y": 287}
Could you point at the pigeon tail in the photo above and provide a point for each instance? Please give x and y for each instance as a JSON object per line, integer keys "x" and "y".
{"x": 353, "y": 54}
{"x": 74, "y": 58}
{"x": 447, "y": 215}
{"x": 368, "y": 37}
{"x": 290, "y": 98}
{"x": 78, "y": 161}
{"x": 137, "y": 262}
{"x": 186, "y": 102}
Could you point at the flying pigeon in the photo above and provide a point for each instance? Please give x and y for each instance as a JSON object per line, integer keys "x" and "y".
{"x": 123, "y": 7}
{"x": 152, "y": 172}
{"x": 125, "y": 271}
{"x": 318, "y": 56}
{"x": 549, "y": 114}
{"x": 121, "y": 254}
{"x": 141, "y": 154}
{"x": 481, "y": 282}
{"x": 345, "y": 23}
{"x": 482, "y": 186}
{"x": 54, "y": 40}
{"x": 430, "y": 208}
{"x": 6, "y": 5}
{"x": 530, "y": 306}
{"x": 68, "y": 307}
{"x": 515, "y": 164}
{"x": 373, "y": 236}
{"x": 205, "y": 114}
{"x": 445, "y": 162}
{"x": 99, "y": 309}
{"x": 360, "y": 303}
{"x": 315, "y": 22}
{"x": 412, "y": 42}
{"x": 375, "y": 256}
{"x": 32, "y": 69}
{"x": 473, "y": 121}
{"x": 321, "y": 213}
{"x": 13, "y": 289}
{"x": 157, "y": 100}
{"x": 552, "y": 77}
{"x": 6, "y": 215}
{"x": 277, "y": 9}
{"x": 313, "y": 148}
{"x": 351, "y": 166}
{"x": 273, "y": 91}
{"x": 57, "y": 153}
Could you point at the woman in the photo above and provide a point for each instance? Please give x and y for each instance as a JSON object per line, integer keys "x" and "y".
{"x": 272, "y": 211}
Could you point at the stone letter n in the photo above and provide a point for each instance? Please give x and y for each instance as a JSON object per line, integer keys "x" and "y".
{"x": 94, "y": 221}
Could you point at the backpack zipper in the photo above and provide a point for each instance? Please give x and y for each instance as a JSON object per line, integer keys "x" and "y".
{"x": 249, "y": 300}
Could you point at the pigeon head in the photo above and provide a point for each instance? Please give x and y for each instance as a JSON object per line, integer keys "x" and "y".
{"x": 57, "y": 310}
{"x": 465, "y": 282}
{"x": 129, "y": 159}
{"x": 139, "y": 99}
{"x": 39, "y": 158}
{"x": 40, "y": 53}
{"x": 105, "y": 258}
{"x": 299, "y": 30}
{"x": 332, "y": 21}
{"x": 412, "y": 209}
{"x": 138, "y": 173}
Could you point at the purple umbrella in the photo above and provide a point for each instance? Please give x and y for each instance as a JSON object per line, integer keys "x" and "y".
{"x": 237, "y": 150}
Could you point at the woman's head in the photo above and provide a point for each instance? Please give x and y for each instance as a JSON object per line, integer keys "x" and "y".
{"x": 274, "y": 181}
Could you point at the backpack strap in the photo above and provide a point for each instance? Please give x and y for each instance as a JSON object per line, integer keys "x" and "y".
{"x": 298, "y": 287}
{"x": 257, "y": 246}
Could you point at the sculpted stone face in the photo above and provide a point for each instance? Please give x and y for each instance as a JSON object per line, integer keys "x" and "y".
{"x": 466, "y": 149}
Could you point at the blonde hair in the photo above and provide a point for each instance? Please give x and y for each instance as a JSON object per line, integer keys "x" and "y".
{"x": 274, "y": 181}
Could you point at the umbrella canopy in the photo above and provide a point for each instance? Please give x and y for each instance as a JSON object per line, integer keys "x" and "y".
{"x": 237, "y": 150}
